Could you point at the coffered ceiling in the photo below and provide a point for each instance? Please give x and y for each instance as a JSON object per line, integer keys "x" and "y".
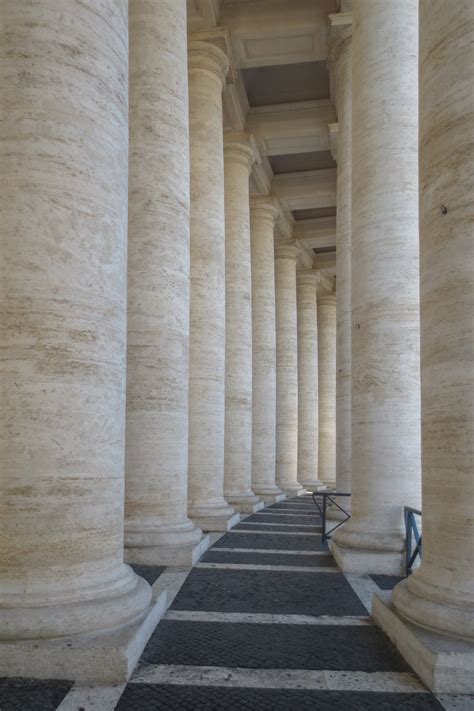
{"x": 280, "y": 91}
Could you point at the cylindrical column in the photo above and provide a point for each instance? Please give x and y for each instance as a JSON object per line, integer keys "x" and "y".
{"x": 385, "y": 285}
{"x": 327, "y": 387}
{"x": 263, "y": 214}
{"x": 208, "y": 66}
{"x": 440, "y": 594}
{"x": 286, "y": 370}
{"x": 63, "y": 204}
{"x": 157, "y": 529}
{"x": 342, "y": 59}
{"x": 308, "y": 416}
{"x": 239, "y": 154}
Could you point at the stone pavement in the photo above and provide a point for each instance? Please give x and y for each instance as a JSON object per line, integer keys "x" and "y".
{"x": 265, "y": 622}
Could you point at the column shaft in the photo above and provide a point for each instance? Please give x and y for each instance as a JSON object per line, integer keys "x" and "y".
{"x": 157, "y": 530}
{"x": 239, "y": 153}
{"x": 263, "y": 214}
{"x": 286, "y": 370}
{"x": 385, "y": 285}
{"x": 63, "y": 204}
{"x": 440, "y": 594}
{"x": 327, "y": 388}
{"x": 308, "y": 416}
{"x": 208, "y": 66}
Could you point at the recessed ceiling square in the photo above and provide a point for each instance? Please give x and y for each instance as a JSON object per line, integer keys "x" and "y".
{"x": 296, "y": 162}
{"x": 286, "y": 83}
{"x": 314, "y": 212}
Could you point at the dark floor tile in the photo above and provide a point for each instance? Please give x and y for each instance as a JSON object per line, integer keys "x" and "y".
{"x": 272, "y": 541}
{"x": 386, "y": 582}
{"x": 228, "y": 556}
{"x": 275, "y": 592}
{"x": 138, "y": 697}
{"x": 275, "y": 518}
{"x": 279, "y": 646}
{"x": 32, "y": 694}
{"x": 151, "y": 573}
{"x": 274, "y": 528}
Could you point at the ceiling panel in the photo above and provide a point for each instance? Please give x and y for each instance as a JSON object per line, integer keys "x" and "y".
{"x": 313, "y": 212}
{"x": 294, "y": 162}
{"x": 284, "y": 83}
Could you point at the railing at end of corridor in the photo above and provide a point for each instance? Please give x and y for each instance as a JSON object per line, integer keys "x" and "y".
{"x": 328, "y": 497}
{"x": 411, "y": 534}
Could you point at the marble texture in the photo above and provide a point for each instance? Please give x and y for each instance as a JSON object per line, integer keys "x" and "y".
{"x": 340, "y": 47}
{"x": 63, "y": 204}
{"x": 208, "y": 67}
{"x": 286, "y": 369}
{"x": 440, "y": 593}
{"x": 239, "y": 155}
{"x": 263, "y": 213}
{"x": 157, "y": 529}
{"x": 327, "y": 387}
{"x": 385, "y": 287}
{"x": 308, "y": 415}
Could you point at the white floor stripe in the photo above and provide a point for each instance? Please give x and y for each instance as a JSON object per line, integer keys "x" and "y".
{"x": 92, "y": 698}
{"x": 276, "y": 533}
{"x": 277, "y": 568}
{"x": 267, "y": 619}
{"x": 278, "y": 678}
{"x": 364, "y": 587}
{"x": 456, "y": 702}
{"x": 283, "y": 525}
{"x": 276, "y": 551}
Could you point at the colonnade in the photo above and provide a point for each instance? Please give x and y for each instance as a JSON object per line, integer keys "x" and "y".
{"x": 151, "y": 400}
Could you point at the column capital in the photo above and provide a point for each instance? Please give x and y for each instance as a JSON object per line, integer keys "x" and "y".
{"x": 307, "y": 276}
{"x": 339, "y": 36}
{"x": 241, "y": 147}
{"x": 287, "y": 250}
{"x": 208, "y": 57}
{"x": 327, "y": 298}
{"x": 264, "y": 207}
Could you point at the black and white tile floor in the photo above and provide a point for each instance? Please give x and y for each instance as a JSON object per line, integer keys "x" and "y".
{"x": 265, "y": 622}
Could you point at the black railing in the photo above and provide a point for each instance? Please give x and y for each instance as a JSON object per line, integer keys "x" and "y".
{"x": 412, "y": 535}
{"x": 328, "y": 497}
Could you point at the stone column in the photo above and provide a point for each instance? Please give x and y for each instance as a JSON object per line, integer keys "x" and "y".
{"x": 208, "y": 67}
{"x": 286, "y": 370}
{"x": 439, "y": 595}
{"x": 308, "y": 416}
{"x": 239, "y": 154}
{"x": 263, "y": 213}
{"x": 340, "y": 47}
{"x": 385, "y": 285}
{"x": 157, "y": 529}
{"x": 327, "y": 387}
{"x": 63, "y": 205}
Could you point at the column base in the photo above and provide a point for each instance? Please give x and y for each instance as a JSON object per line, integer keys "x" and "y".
{"x": 173, "y": 555}
{"x": 445, "y": 664}
{"x": 313, "y": 485}
{"x": 362, "y": 561}
{"x": 102, "y": 657}
{"x": 245, "y": 504}
{"x": 269, "y": 494}
{"x": 293, "y": 490}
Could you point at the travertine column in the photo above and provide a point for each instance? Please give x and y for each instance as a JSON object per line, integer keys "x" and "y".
{"x": 327, "y": 387}
{"x": 208, "y": 66}
{"x": 263, "y": 213}
{"x": 286, "y": 370}
{"x": 440, "y": 594}
{"x": 63, "y": 203}
{"x": 341, "y": 55}
{"x": 239, "y": 154}
{"x": 308, "y": 416}
{"x": 157, "y": 529}
{"x": 385, "y": 319}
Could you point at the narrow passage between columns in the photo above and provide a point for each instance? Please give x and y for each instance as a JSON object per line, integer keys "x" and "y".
{"x": 265, "y": 621}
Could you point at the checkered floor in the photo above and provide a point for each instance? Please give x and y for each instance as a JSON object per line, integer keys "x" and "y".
{"x": 264, "y": 622}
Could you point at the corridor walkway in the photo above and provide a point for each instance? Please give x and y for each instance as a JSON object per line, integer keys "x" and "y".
{"x": 265, "y": 622}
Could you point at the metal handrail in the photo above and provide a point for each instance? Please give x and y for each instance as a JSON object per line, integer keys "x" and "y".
{"x": 322, "y": 508}
{"x": 411, "y": 531}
